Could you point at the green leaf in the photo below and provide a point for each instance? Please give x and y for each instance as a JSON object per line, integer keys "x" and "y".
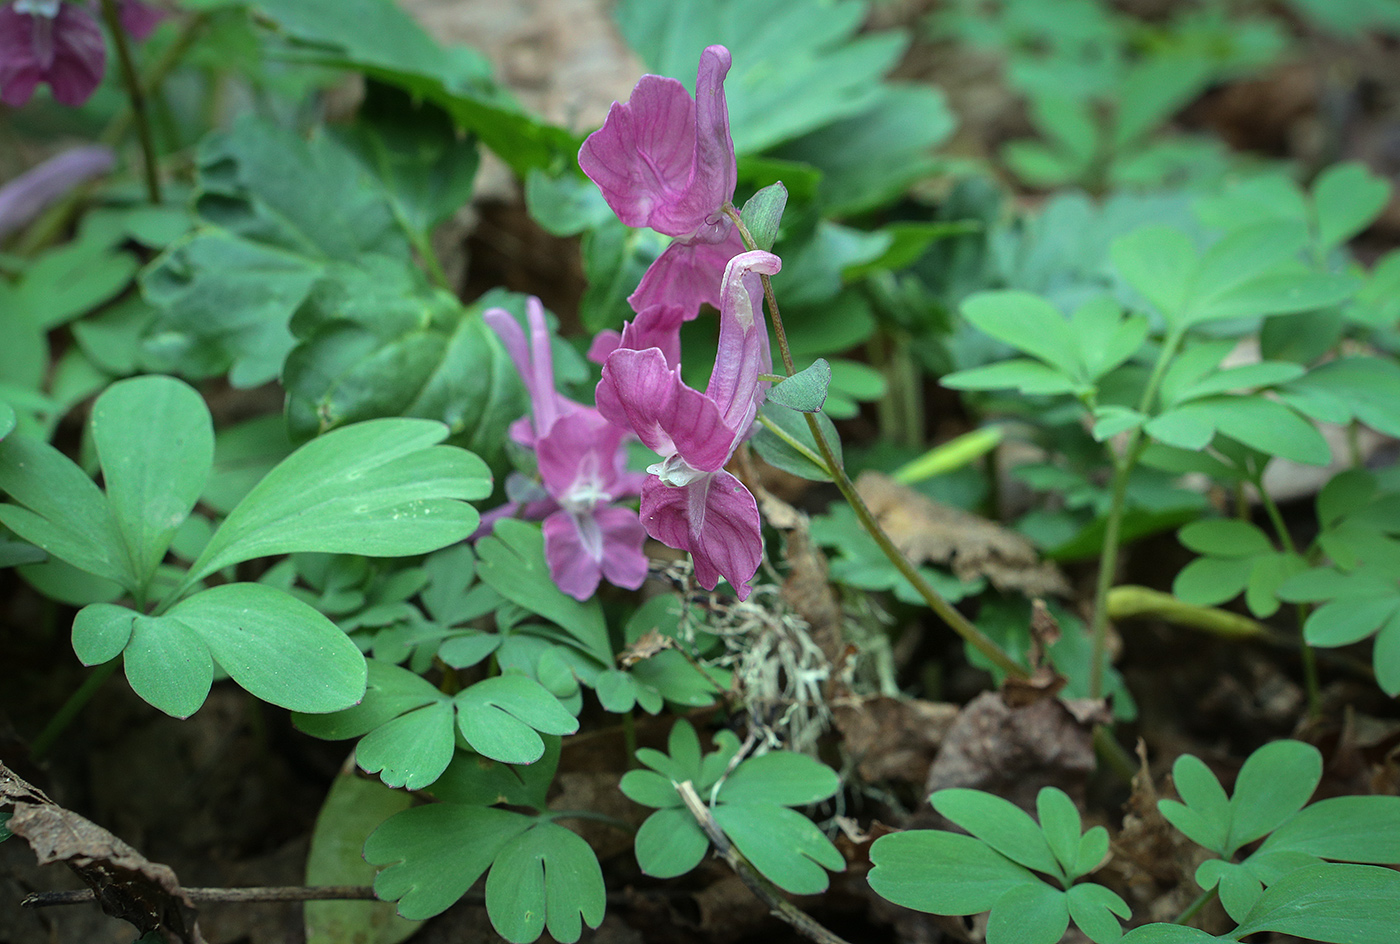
{"x": 1349, "y": 620}
{"x": 435, "y": 853}
{"x": 168, "y": 664}
{"x": 669, "y": 843}
{"x": 1092, "y": 907}
{"x": 1262, "y": 424}
{"x": 72, "y": 280}
{"x": 1158, "y": 261}
{"x": 1033, "y": 913}
{"x": 376, "y": 343}
{"x": 1026, "y": 322}
{"x": 1032, "y": 378}
{"x": 1348, "y": 198}
{"x": 1225, "y": 537}
{"x": 276, "y": 211}
{"x": 763, "y": 212}
{"x": 1357, "y": 387}
{"x": 63, "y": 511}
{"x": 649, "y": 788}
{"x": 384, "y": 42}
{"x": 942, "y": 873}
{"x": 412, "y": 750}
{"x": 871, "y": 158}
{"x": 565, "y": 204}
{"x": 782, "y": 844}
{"x": 1059, "y": 821}
{"x": 499, "y": 717}
{"x": 378, "y": 488}
{"x": 796, "y": 67}
{"x": 804, "y": 391}
{"x": 101, "y": 631}
{"x": 155, "y": 441}
{"x": 1237, "y": 886}
{"x": 789, "y": 445}
{"x": 512, "y": 562}
{"x": 547, "y": 877}
{"x": 480, "y": 781}
{"x": 1274, "y": 783}
{"x": 413, "y": 148}
{"x": 1340, "y": 904}
{"x": 1349, "y": 828}
{"x": 7, "y": 419}
{"x": 1172, "y": 934}
{"x": 1205, "y": 816}
{"x": 352, "y": 809}
{"x": 1000, "y": 824}
{"x": 782, "y": 778}
{"x": 278, "y": 648}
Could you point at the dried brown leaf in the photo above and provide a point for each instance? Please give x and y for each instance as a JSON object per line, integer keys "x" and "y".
{"x": 893, "y": 738}
{"x": 127, "y": 884}
{"x": 1014, "y": 751}
{"x": 927, "y": 531}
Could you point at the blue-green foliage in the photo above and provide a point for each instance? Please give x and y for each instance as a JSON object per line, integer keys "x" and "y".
{"x": 1025, "y": 873}
{"x": 752, "y": 803}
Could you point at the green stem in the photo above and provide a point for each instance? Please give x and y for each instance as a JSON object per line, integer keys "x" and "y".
{"x": 47, "y": 227}
{"x": 137, "y": 95}
{"x": 945, "y": 610}
{"x": 1203, "y": 899}
{"x": 1122, "y": 472}
{"x": 1305, "y": 652}
{"x": 71, "y": 708}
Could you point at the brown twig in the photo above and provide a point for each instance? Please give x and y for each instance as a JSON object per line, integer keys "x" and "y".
{"x": 767, "y": 892}
{"x": 272, "y": 893}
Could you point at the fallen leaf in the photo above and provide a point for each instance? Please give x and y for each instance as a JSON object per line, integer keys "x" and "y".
{"x": 1014, "y": 751}
{"x": 893, "y": 738}
{"x": 929, "y": 532}
{"x": 127, "y": 884}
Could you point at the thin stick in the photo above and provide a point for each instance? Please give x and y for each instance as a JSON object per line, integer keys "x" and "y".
{"x": 767, "y": 892}
{"x": 271, "y": 893}
{"x": 137, "y": 94}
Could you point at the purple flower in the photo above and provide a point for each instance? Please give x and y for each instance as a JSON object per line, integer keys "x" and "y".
{"x": 48, "y": 41}
{"x": 658, "y": 326}
{"x": 140, "y": 19}
{"x": 25, "y": 197}
{"x": 666, "y": 161}
{"x": 582, "y": 466}
{"x": 690, "y": 502}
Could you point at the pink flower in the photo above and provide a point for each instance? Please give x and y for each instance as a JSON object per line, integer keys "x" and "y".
{"x": 690, "y": 502}
{"x": 48, "y": 41}
{"x": 583, "y": 468}
{"x": 658, "y": 326}
{"x": 25, "y": 197}
{"x": 140, "y": 19}
{"x": 666, "y": 161}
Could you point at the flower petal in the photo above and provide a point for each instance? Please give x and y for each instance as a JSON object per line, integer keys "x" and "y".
{"x": 658, "y": 326}
{"x": 579, "y": 458}
{"x": 624, "y": 562}
{"x": 715, "y": 519}
{"x": 662, "y": 161}
{"x": 641, "y": 393}
{"x": 743, "y": 336}
{"x": 687, "y": 274}
{"x": 80, "y": 55}
{"x": 25, "y": 197}
{"x": 573, "y": 546}
{"x": 534, "y": 361}
{"x": 140, "y": 19}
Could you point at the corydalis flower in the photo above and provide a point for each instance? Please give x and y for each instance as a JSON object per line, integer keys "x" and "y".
{"x": 582, "y": 467}
{"x": 25, "y": 197}
{"x": 666, "y": 161}
{"x": 48, "y": 41}
{"x": 690, "y": 502}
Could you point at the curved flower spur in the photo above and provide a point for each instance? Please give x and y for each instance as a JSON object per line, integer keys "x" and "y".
{"x": 582, "y": 467}
{"x": 688, "y": 501}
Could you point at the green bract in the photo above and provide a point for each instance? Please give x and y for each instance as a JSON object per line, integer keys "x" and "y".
{"x": 995, "y": 868}
{"x": 751, "y": 804}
